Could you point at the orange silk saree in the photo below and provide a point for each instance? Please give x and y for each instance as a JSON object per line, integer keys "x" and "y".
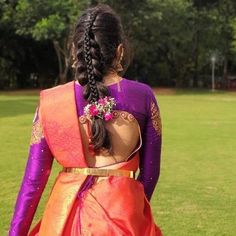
{"x": 77, "y": 204}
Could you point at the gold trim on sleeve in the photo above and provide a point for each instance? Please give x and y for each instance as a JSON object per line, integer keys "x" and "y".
{"x": 37, "y": 133}
{"x": 156, "y": 118}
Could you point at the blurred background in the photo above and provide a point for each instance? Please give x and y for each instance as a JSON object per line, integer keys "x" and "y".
{"x": 185, "y": 50}
{"x": 175, "y": 43}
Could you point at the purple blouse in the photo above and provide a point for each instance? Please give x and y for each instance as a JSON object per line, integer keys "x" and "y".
{"x": 134, "y": 97}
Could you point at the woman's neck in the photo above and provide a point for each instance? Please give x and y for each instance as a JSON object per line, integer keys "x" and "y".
{"x": 111, "y": 78}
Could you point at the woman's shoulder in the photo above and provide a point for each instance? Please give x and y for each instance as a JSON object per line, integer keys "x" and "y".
{"x": 58, "y": 88}
{"x": 138, "y": 87}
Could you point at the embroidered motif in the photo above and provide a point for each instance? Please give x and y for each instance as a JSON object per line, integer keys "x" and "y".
{"x": 156, "y": 118}
{"x": 124, "y": 114}
{"x": 82, "y": 119}
{"x": 115, "y": 114}
{"x": 37, "y": 133}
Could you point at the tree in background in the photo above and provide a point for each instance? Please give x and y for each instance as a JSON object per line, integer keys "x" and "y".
{"x": 45, "y": 20}
{"x": 161, "y": 35}
{"x": 227, "y": 12}
{"x": 172, "y": 40}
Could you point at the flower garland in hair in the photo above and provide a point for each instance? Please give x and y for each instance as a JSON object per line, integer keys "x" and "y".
{"x": 101, "y": 109}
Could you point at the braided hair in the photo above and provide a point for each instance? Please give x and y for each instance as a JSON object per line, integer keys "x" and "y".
{"x": 96, "y": 38}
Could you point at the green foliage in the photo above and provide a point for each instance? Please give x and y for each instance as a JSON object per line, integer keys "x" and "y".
{"x": 234, "y": 35}
{"x": 172, "y": 40}
{"x": 49, "y": 28}
{"x": 43, "y": 19}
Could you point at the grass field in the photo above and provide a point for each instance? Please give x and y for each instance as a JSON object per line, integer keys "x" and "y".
{"x": 196, "y": 193}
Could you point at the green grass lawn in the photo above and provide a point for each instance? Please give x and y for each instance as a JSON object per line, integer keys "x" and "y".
{"x": 196, "y": 193}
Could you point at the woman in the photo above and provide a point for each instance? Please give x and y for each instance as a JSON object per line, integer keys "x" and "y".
{"x": 101, "y": 128}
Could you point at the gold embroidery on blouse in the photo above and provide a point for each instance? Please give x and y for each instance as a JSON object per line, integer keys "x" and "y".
{"x": 116, "y": 113}
{"x": 156, "y": 118}
{"x": 37, "y": 133}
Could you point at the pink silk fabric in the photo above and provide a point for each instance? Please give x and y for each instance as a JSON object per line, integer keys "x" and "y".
{"x": 113, "y": 206}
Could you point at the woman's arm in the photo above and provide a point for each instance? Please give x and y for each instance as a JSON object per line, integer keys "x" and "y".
{"x": 150, "y": 152}
{"x": 37, "y": 171}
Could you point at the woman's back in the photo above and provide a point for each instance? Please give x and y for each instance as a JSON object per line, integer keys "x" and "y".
{"x": 124, "y": 133}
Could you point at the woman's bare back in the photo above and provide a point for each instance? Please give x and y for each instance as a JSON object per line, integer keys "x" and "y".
{"x": 125, "y": 138}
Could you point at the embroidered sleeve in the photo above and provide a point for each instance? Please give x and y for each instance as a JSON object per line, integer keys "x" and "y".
{"x": 37, "y": 133}
{"x": 150, "y": 152}
{"x": 37, "y": 171}
{"x": 156, "y": 118}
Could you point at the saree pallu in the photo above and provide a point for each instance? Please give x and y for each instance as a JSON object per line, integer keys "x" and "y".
{"x": 78, "y": 205}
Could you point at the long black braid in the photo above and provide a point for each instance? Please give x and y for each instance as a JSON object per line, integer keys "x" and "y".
{"x": 91, "y": 95}
{"x": 97, "y": 35}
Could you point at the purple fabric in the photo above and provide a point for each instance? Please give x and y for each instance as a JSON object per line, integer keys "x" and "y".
{"x": 86, "y": 185}
{"x": 136, "y": 98}
{"x": 150, "y": 152}
{"x": 131, "y": 96}
{"x": 35, "y": 178}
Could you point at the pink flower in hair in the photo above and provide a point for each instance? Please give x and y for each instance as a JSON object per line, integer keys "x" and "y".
{"x": 93, "y": 110}
{"x": 108, "y": 116}
{"x": 101, "y": 109}
{"x": 102, "y": 101}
